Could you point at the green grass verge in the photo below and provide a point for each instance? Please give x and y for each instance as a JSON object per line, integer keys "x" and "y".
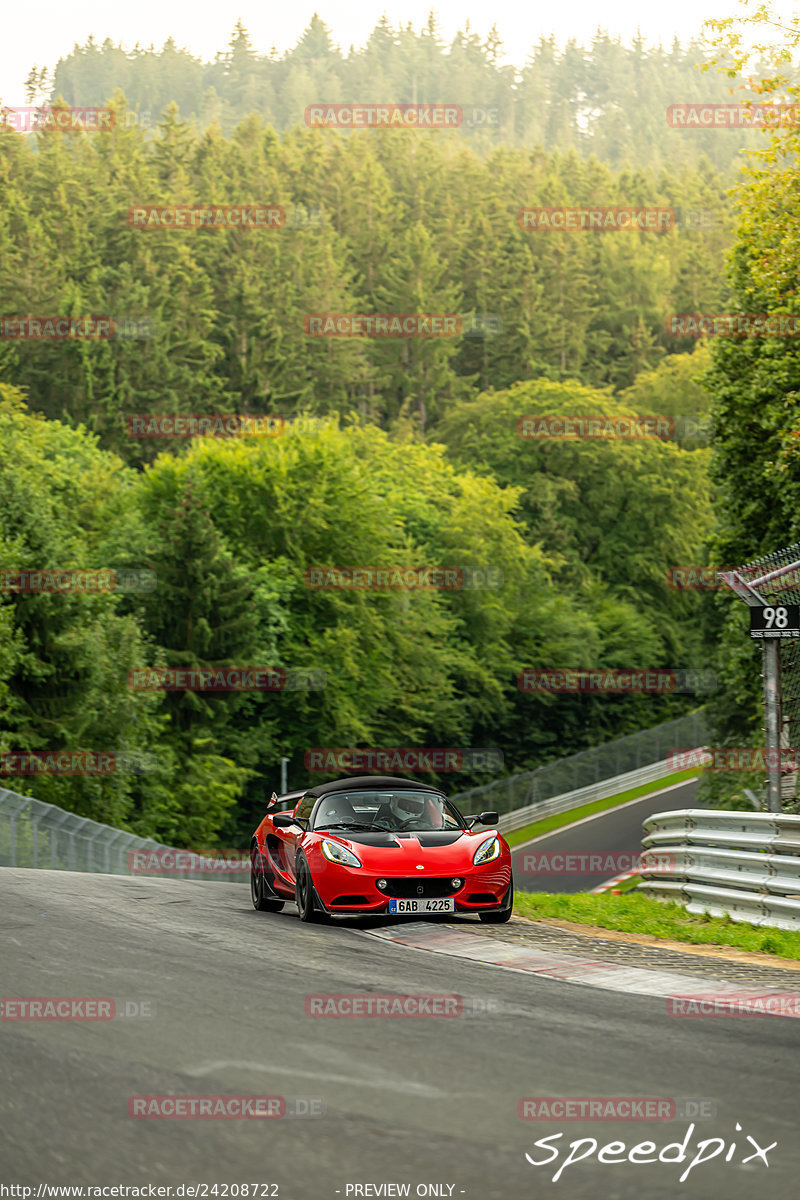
{"x": 558, "y": 820}
{"x": 634, "y": 913}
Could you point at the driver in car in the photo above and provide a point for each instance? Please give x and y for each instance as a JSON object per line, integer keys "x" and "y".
{"x": 408, "y": 812}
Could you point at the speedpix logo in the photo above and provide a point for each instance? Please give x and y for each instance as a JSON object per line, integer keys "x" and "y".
{"x": 647, "y": 1152}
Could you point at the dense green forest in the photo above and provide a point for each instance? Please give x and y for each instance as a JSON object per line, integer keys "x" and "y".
{"x": 392, "y": 451}
{"x": 406, "y": 223}
{"x": 605, "y": 100}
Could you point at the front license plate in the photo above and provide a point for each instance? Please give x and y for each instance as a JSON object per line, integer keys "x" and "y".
{"x": 422, "y": 906}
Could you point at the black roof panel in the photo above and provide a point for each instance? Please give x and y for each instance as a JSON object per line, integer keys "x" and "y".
{"x": 371, "y": 783}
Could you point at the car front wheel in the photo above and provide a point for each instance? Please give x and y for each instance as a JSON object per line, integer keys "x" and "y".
{"x": 501, "y": 915}
{"x": 305, "y": 894}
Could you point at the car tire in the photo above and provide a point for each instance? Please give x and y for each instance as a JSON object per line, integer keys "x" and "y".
{"x": 259, "y": 892}
{"x": 498, "y": 917}
{"x": 305, "y": 894}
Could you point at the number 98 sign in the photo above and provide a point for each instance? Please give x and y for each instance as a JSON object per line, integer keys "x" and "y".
{"x": 775, "y": 621}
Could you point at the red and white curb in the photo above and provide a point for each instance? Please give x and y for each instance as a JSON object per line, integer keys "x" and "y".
{"x": 569, "y": 968}
{"x": 608, "y": 884}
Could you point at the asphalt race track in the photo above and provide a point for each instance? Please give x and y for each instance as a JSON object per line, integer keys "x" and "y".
{"x": 616, "y": 832}
{"x": 418, "y": 1101}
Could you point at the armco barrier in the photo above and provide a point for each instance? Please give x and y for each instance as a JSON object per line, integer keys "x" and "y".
{"x": 743, "y": 864}
{"x": 34, "y": 834}
{"x": 563, "y": 776}
{"x": 586, "y": 795}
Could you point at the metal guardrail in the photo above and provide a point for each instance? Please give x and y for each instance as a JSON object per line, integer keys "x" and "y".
{"x": 746, "y": 865}
{"x": 35, "y": 834}
{"x": 587, "y": 767}
{"x": 586, "y": 795}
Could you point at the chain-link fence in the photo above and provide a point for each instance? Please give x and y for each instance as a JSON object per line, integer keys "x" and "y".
{"x": 34, "y": 834}
{"x": 587, "y": 766}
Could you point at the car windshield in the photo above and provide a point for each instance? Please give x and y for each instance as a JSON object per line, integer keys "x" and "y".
{"x": 395, "y": 812}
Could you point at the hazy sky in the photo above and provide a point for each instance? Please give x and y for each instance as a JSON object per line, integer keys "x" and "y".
{"x": 47, "y": 30}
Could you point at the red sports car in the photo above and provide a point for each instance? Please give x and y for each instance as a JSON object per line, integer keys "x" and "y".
{"x": 380, "y": 845}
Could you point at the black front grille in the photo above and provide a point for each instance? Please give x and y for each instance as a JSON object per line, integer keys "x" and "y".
{"x": 426, "y": 889}
{"x": 481, "y": 898}
{"x": 349, "y": 900}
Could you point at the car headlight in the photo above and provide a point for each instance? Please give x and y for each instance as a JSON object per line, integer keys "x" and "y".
{"x": 487, "y": 850}
{"x": 338, "y": 854}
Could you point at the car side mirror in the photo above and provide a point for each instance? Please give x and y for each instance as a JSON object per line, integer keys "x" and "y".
{"x": 484, "y": 818}
{"x": 285, "y": 821}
